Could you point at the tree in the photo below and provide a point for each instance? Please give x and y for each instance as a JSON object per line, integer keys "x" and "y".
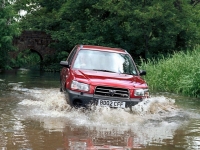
{"x": 8, "y": 29}
{"x": 145, "y": 28}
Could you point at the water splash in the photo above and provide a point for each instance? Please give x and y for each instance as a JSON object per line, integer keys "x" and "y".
{"x": 152, "y": 120}
{"x": 46, "y": 100}
{"x": 52, "y": 103}
{"x": 155, "y": 105}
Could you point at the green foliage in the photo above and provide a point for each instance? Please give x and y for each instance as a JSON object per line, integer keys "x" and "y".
{"x": 148, "y": 29}
{"x": 144, "y": 28}
{"x": 179, "y": 73}
{"x": 27, "y": 59}
{"x": 52, "y": 63}
{"x": 8, "y": 29}
{"x": 32, "y": 60}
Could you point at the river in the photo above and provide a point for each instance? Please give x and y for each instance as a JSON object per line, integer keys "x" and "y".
{"x": 34, "y": 116}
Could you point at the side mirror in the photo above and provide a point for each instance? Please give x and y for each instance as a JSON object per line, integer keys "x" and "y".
{"x": 64, "y": 64}
{"x": 142, "y": 72}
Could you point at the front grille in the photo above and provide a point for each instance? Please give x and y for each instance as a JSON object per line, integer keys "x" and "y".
{"x": 112, "y": 92}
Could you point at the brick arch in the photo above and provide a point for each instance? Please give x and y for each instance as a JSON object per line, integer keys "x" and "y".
{"x": 34, "y": 51}
{"x": 37, "y": 41}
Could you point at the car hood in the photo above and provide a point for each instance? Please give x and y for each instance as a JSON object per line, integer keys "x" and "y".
{"x": 109, "y": 79}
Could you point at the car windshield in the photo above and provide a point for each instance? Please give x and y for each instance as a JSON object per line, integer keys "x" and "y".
{"x": 105, "y": 61}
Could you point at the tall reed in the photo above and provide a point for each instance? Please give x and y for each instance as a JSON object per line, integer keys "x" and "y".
{"x": 179, "y": 73}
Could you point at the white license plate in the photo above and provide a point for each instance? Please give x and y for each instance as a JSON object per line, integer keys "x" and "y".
{"x": 109, "y": 103}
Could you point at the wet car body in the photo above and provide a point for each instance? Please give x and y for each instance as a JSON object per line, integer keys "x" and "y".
{"x": 103, "y": 76}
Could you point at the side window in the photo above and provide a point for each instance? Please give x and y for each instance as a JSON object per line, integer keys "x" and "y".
{"x": 71, "y": 55}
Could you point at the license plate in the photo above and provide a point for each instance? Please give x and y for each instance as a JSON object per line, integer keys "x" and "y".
{"x": 109, "y": 103}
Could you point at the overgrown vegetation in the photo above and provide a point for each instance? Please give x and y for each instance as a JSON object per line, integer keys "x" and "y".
{"x": 179, "y": 73}
{"x": 52, "y": 63}
{"x": 145, "y": 28}
{"x": 28, "y": 59}
{"x": 8, "y": 28}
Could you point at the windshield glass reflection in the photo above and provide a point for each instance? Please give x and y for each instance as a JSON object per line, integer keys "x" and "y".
{"x": 105, "y": 61}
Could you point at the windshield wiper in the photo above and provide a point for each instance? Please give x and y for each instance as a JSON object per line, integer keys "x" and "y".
{"x": 104, "y": 70}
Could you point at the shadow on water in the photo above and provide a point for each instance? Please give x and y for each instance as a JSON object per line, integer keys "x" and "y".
{"x": 35, "y": 115}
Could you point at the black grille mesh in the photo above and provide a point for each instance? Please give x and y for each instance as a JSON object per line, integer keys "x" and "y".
{"x": 111, "y": 92}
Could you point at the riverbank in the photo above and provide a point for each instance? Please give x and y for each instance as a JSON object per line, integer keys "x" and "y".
{"x": 178, "y": 73}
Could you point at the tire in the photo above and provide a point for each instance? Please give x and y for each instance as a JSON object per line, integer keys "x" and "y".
{"x": 61, "y": 89}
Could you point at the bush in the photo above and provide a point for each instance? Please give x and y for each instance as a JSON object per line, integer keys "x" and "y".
{"x": 179, "y": 73}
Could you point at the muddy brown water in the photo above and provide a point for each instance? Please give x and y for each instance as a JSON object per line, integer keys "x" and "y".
{"x": 34, "y": 116}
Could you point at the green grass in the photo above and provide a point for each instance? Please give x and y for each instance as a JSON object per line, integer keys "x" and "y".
{"x": 179, "y": 73}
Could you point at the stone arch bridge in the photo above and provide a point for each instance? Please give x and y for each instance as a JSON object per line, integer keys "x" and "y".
{"x": 36, "y": 41}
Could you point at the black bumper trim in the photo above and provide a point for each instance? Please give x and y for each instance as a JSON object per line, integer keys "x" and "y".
{"x": 90, "y": 99}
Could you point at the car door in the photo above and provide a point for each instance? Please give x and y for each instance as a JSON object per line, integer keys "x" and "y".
{"x": 66, "y": 70}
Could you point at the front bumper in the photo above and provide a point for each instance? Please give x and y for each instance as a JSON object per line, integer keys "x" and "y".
{"x": 83, "y": 99}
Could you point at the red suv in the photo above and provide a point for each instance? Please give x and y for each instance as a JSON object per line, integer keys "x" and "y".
{"x": 103, "y": 76}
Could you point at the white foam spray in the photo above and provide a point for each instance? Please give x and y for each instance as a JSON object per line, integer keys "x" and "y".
{"x": 152, "y": 120}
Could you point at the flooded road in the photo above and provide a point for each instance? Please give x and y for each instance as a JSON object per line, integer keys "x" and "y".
{"x": 34, "y": 116}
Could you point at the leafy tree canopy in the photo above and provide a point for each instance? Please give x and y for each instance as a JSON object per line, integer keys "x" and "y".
{"x": 145, "y": 28}
{"x": 8, "y": 29}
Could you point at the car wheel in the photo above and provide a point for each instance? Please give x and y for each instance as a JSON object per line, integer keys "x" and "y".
{"x": 77, "y": 104}
{"x": 61, "y": 90}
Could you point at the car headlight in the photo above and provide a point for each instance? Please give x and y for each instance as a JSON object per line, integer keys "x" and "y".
{"x": 141, "y": 92}
{"x": 79, "y": 86}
